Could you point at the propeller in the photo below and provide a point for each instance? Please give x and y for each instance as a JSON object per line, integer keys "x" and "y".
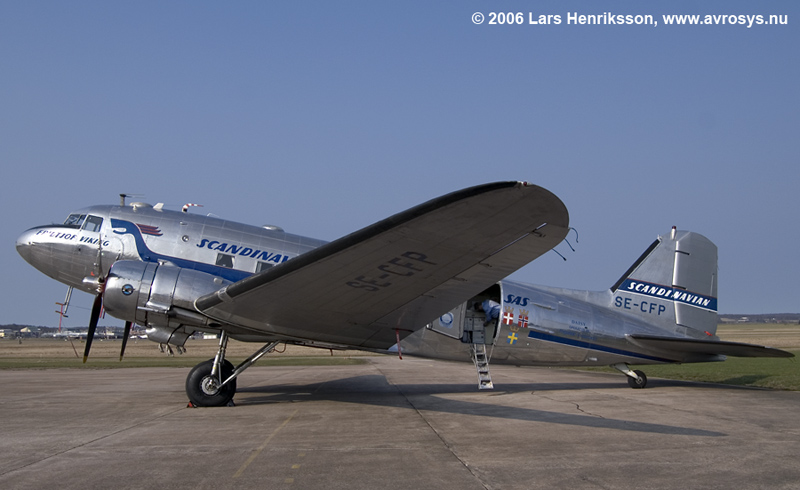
{"x": 96, "y": 307}
{"x": 127, "y": 334}
{"x": 97, "y": 281}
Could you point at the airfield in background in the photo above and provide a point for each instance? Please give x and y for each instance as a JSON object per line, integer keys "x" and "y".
{"x": 782, "y": 335}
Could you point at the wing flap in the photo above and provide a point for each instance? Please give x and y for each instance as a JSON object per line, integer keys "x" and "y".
{"x": 399, "y": 273}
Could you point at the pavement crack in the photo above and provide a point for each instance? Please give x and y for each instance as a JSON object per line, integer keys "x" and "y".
{"x": 578, "y": 408}
{"x": 577, "y": 405}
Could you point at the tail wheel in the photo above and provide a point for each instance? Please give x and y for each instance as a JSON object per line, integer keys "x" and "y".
{"x": 204, "y": 390}
{"x": 640, "y": 381}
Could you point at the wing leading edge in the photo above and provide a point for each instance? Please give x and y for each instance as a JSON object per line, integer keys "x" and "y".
{"x": 400, "y": 273}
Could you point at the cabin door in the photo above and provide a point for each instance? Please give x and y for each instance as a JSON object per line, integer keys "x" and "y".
{"x": 451, "y": 323}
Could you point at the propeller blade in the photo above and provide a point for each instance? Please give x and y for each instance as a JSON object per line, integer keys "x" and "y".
{"x": 96, "y": 307}
{"x": 127, "y": 334}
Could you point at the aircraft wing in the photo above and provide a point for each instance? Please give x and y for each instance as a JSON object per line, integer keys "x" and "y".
{"x": 691, "y": 348}
{"x": 399, "y": 274}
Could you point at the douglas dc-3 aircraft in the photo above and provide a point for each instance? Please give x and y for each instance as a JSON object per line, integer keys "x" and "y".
{"x": 410, "y": 283}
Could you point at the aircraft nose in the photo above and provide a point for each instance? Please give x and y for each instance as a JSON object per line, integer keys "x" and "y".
{"x": 25, "y": 244}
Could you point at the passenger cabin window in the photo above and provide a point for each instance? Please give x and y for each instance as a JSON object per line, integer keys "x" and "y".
{"x": 93, "y": 223}
{"x": 262, "y": 266}
{"x": 224, "y": 260}
{"x": 74, "y": 220}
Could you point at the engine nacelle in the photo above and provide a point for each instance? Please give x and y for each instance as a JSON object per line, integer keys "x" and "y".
{"x": 160, "y": 297}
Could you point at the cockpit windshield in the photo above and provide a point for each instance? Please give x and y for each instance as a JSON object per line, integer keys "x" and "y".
{"x": 93, "y": 223}
{"x": 84, "y": 222}
{"x": 74, "y": 220}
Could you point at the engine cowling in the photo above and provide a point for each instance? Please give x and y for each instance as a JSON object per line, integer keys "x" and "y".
{"x": 160, "y": 297}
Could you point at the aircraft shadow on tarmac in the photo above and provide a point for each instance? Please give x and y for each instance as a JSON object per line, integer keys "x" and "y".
{"x": 375, "y": 390}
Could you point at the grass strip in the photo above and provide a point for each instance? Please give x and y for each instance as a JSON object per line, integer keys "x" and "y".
{"x": 176, "y": 362}
{"x": 761, "y": 372}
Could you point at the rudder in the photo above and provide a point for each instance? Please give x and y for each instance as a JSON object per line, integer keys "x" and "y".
{"x": 673, "y": 285}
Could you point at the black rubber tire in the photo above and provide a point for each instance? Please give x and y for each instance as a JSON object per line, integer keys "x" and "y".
{"x": 639, "y": 383}
{"x": 194, "y": 389}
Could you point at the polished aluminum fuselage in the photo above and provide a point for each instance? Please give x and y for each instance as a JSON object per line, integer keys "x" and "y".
{"x": 544, "y": 326}
{"x": 70, "y": 255}
{"x": 537, "y": 326}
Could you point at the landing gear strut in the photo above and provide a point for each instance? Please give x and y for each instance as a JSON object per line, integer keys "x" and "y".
{"x": 213, "y": 383}
{"x": 636, "y": 379}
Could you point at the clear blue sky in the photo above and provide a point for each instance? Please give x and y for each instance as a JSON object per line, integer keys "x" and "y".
{"x": 323, "y": 117}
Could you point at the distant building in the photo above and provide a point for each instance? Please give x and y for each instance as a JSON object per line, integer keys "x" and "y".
{"x": 29, "y": 332}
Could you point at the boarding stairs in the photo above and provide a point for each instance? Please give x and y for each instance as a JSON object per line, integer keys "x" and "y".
{"x": 482, "y": 366}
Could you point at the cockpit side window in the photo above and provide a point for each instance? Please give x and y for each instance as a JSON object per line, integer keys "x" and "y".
{"x": 74, "y": 220}
{"x": 93, "y": 223}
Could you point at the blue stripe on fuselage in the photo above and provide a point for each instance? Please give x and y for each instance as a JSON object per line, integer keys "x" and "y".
{"x": 147, "y": 255}
{"x": 537, "y": 335}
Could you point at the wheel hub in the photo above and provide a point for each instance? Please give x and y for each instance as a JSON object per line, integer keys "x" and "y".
{"x": 210, "y": 386}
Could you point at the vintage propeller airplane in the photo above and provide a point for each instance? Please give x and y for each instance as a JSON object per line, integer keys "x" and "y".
{"x": 428, "y": 281}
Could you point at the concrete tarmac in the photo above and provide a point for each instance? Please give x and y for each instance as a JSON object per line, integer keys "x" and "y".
{"x": 393, "y": 424}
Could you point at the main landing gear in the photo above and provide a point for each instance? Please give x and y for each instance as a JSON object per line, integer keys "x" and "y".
{"x": 213, "y": 383}
{"x": 636, "y": 379}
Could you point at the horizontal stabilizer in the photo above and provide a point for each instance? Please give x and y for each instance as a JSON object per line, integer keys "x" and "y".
{"x": 706, "y": 347}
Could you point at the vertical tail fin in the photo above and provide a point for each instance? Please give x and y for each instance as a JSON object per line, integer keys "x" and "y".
{"x": 673, "y": 285}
